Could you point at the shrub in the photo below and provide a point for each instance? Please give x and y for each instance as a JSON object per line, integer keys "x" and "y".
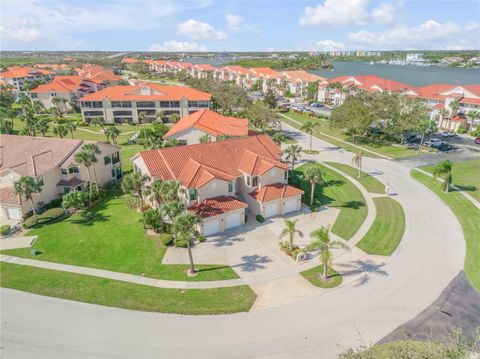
{"x": 202, "y": 238}
{"x": 45, "y": 217}
{"x": 57, "y": 202}
{"x": 461, "y": 130}
{"x": 61, "y": 121}
{"x": 475, "y": 132}
{"x": 182, "y": 243}
{"x": 5, "y": 229}
{"x": 152, "y": 219}
{"x": 166, "y": 238}
{"x": 259, "y": 218}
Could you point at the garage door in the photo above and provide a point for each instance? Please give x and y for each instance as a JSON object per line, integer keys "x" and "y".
{"x": 234, "y": 220}
{"x": 291, "y": 205}
{"x": 211, "y": 227}
{"x": 14, "y": 213}
{"x": 271, "y": 210}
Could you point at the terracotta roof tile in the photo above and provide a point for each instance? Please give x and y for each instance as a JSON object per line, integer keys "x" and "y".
{"x": 7, "y": 196}
{"x": 72, "y": 182}
{"x": 97, "y": 74}
{"x": 23, "y": 72}
{"x": 216, "y": 206}
{"x": 275, "y": 191}
{"x": 60, "y": 84}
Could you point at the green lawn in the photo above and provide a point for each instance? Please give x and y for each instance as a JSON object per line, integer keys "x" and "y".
{"x": 387, "y": 231}
{"x": 114, "y": 241}
{"x": 127, "y": 152}
{"x": 370, "y": 183}
{"x": 313, "y": 276}
{"x": 115, "y": 293}
{"x": 468, "y": 215}
{"x": 323, "y": 127}
{"x": 466, "y": 176}
{"x": 337, "y": 192}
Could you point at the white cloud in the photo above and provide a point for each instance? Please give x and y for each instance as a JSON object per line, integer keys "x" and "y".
{"x": 429, "y": 35}
{"x": 346, "y": 12}
{"x": 198, "y": 30}
{"x": 178, "y": 46}
{"x": 330, "y": 45}
{"x": 25, "y": 35}
{"x": 234, "y": 22}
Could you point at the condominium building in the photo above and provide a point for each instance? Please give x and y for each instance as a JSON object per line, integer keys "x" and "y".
{"x": 17, "y": 76}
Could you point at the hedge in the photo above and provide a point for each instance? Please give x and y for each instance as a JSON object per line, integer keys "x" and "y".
{"x": 45, "y": 217}
{"x": 5, "y": 229}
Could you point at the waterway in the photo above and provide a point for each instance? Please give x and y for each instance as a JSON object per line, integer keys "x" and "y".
{"x": 409, "y": 74}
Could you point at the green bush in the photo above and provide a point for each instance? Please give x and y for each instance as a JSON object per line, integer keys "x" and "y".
{"x": 461, "y": 130}
{"x": 5, "y": 229}
{"x": 259, "y": 218}
{"x": 166, "y": 238}
{"x": 45, "y": 217}
{"x": 202, "y": 238}
{"x": 475, "y": 132}
{"x": 61, "y": 121}
{"x": 182, "y": 243}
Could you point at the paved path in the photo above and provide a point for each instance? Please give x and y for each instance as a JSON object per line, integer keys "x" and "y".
{"x": 430, "y": 255}
{"x": 17, "y": 242}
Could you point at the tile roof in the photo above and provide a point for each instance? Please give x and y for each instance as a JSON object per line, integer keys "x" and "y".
{"x": 304, "y": 76}
{"x": 14, "y": 72}
{"x": 237, "y": 69}
{"x": 7, "y": 196}
{"x": 264, "y": 72}
{"x": 196, "y": 165}
{"x": 216, "y": 206}
{"x": 148, "y": 91}
{"x": 130, "y": 60}
{"x": 255, "y": 165}
{"x": 205, "y": 67}
{"x": 97, "y": 74}
{"x": 212, "y": 123}
{"x": 465, "y": 93}
{"x": 373, "y": 83}
{"x": 72, "y": 182}
{"x": 275, "y": 191}
{"x": 60, "y": 84}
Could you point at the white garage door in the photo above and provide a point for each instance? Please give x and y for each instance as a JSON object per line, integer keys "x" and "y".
{"x": 291, "y": 205}
{"x": 211, "y": 227}
{"x": 14, "y": 213}
{"x": 234, "y": 220}
{"x": 271, "y": 210}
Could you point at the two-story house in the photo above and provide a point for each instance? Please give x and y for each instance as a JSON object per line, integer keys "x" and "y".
{"x": 118, "y": 104}
{"x": 225, "y": 180}
{"x": 192, "y": 128}
{"x": 51, "y": 161}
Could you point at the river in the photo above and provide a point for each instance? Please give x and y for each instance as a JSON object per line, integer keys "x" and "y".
{"x": 409, "y": 74}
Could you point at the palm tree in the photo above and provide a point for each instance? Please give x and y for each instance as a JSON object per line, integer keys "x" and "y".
{"x": 142, "y": 118}
{"x": 314, "y": 175}
{"x": 107, "y": 134}
{"x": 84, "y": 158}
{"x": 171, "y": 191}
{"x": 58, "y": 102}
{"x": 323, "y": 243}
{"x": 357, "y": 162}
{"x": 42, "y": 126}
{"x": 472, "y": 115}
{"x": 93, "y": 150}
{"x": 71, "y": 126}
{"x": 186, "y": 225}
{"x": 159, "y": 116}
{"x": 278, "y": 138}
{"x": 454, "y": 105}
{"x": 134, "y": 183}
{"x": 38, "y": 107}
{"x": 444, "y": 115}
{"x": 309, "y": 127}
{"x": 174, "y": 117}
{"x": 425, "y": 126}
{"x": 114, "y": 133}
{"x": 205, "y": 138}
{"x": 170, "y": 211}
{"x": 290, "y": 230}
{"x": 293, "y": 154}
{"x": 26, "y": 187}
{"x": 444, "y": 169}
{"x": 155, "y": 191}
{"x": 98, "y": 121}
{"x": 60, "y": 130}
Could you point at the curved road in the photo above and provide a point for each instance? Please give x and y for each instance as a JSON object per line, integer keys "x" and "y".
{"x": 430, "y": 255}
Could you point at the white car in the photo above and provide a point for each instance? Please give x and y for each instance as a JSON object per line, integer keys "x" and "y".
{"x": 434, "y": 142}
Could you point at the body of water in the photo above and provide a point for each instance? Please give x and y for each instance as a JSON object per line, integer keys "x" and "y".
{"x": 409, "y": 74}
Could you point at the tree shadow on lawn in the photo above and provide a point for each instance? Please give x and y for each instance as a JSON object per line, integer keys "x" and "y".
{"x": 467, "y": 188}
{"x": 367, "y": 267}
{"x": 352, "y": 204}
{"x": 200, "y": 270}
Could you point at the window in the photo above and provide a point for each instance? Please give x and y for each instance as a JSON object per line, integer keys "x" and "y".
{"x": 145, "y": 104}
{"x": 230, "y": 186}
{"x": 192, "y": 194}
{"x": 252, "y": 181}
{"x": 164, "y": 104}
{"x": 73, "y": 170}
{"x": 113, "y": 172}
{"x": 181, "y": 142}
{"x": 107, "y": 160}
{"x": 122, "y": 113}
{"x": 174, "y": 103}
{"x": 93, "y": 113}
{"x": 285, "y": 175}
{"x": 64, "y": 171}
{"x": 115, "y": 157}
{"x": 40, "y": 180}
{"x": 33, "y": 95}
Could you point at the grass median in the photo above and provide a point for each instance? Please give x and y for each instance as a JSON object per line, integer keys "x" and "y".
{"x": 387, "y": 231}
{"x": 120, "y": 294}
{"x": 313, "y": 275}
{"x": 370, "y": 183}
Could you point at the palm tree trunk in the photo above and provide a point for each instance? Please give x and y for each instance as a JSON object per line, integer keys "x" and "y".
{"x": 312, "y": 191}
{"x": 325, "y": 272}
{"x": 291, "y": 242}
{"x": 95, "y": 176}
{"x": 89, "y": 187}
{"x": 33, "y": 209}
{"x": 190, "y": 257}
{"x": 421, "y": 142}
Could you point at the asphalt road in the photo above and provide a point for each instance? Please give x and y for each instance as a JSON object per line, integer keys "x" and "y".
{"x": 430, "y": 255}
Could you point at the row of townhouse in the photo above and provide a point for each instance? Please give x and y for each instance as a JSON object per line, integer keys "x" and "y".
{"x": 15, "y": 77}
{"x": 225, "y": 181}
{"x": 281, "y": 82}
{"x": 51, "y": 161}
{"x": 333, "y": 92}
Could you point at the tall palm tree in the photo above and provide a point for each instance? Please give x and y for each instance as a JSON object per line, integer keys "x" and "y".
{"x": 93, "y": 150}
{"x": 323, "y": 243}
{"x": 290, "y": 230}
{"x": 142, "y": 118}
{"x": 454, "y": 105}
{"x": 134, "y": 183}
{"x": 155, "y": 192}
{"x": 186, "y": 225}
{"x": 424, "y": 127}
{"x": 170, "y": 211}
{"x": 444, "y": 170}
{"x": 293, "y": 154}
{"x": 278, "y": 138}
{"x": 472, "y": 115}
{"x": 42, "y": 126}
{"x": 314, "y": 175}
{"x": 114, "y": 133}
{"x": 309, "y": 127}
{"x": 84, "y": 158}
{"x": 60, "y": 130}
{"x": 171, "y": 191}
{"x": 357, "y": 162}
{"x": 71, "y": 126}
{"x": 98, "y": 121}
{"x": 26, "y": 187}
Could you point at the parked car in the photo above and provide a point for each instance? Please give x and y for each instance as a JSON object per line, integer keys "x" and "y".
{"x": 477, "y": 141}
{"x": 445, "y": 147}
{"x": 434, "y": 142}
{"x": 316, "y": 104}
{"x": 447, "y": 134}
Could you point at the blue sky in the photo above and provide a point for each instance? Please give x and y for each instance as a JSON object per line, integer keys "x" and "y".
{"x": 242, "y": 25}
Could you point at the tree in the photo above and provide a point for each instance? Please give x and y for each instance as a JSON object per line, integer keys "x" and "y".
{"x": 152, "y": 218}
{"x": 444, "y": 170}
{"x": 60, "y": 130}
{"x": 290, "y": 231}
{"x": 93, "y": 150}
{"x": 424, "y": 127}
{"x": 26, "y": 187}
{"x": 186, "y": 225}
{"x": 170, "y": 211}
{"x": 134, "y": 183}
{"x": 270, "y": 99}
{"x": 205, "y": 138}
{"x": 293, "y": 154}
{"x": 98, "y": 121}
{"x": 7, "y": 98}
{"x": 472, "y": 115}
{"x": 279, "y": 138}
{"x": 174, "y": 117}
{"x": 309, "y": 127}
{"x": 60, "y": 104}
{"x": 84, "y": 158}
{"x": 71, "y": 126}
{"x": 171, "y": 191}
{"x": 223, "y": 137}
{"x": 454, "y": 105}
{"x": 155, "y": 192}
{"x": 323, "y": 243}
{"x": 42, "y": 126}
{"x": 261, "y": 116}
{"x": 112, "y": 132}
{"x": 38, "y": 107}
{"x": 357, "y": 162}
{"x": 314, "y": 175}
{"x": 75, "y": 200}
{"x": 142, "y": 118}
